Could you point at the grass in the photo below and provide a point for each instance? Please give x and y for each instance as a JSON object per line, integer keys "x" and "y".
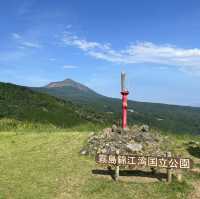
{"x": 13, "y": 125}
{"x": 48, "y": 165}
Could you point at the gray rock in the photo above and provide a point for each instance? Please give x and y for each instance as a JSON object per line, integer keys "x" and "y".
{"x": 119, "y": 130}
{"x": 106, "y": 133}
{"x": 103, "y": 151}
{"x": 144, "y": 128}
{"x": 137, "y": 139}
{"x": 83, "y": 152}
{"x": 114, "y": 128}
{"x": 134, "y": 147}
{"x": 126, "y": 130}
{"x": 144, "y": 137}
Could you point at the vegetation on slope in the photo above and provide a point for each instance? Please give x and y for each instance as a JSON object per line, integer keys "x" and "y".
{"x": 180, "y": 119}
{"x": 19, "y": 103}
{"x": 24, "y": 104}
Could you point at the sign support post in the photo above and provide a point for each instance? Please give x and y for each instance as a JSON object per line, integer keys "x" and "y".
{"x": 169, "y": 170}
{"x": 117, "y": 167}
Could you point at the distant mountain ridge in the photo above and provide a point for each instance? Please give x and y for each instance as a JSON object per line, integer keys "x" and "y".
{"x": 69, "y": 89}
{"x": 68, "y": 83}
{"x": 172, "y": 118}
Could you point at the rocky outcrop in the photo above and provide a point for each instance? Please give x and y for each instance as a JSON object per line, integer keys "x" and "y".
{"x": 138, "y": 140}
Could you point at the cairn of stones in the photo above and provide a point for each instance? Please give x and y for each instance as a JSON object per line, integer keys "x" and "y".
{"x": 137, "y": 140}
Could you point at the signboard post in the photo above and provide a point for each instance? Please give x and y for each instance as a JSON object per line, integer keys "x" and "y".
{"x": 117, "y": 166}
{"x": 169, "y": 172}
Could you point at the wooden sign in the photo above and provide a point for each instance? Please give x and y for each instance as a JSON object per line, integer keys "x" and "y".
{"x": 144, "y": 161}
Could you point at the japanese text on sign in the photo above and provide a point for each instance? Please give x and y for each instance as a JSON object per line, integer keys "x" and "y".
{"x": 161, "y": 162}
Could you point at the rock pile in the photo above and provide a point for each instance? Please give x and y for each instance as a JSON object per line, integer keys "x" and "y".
{"x": 137, "y": 140}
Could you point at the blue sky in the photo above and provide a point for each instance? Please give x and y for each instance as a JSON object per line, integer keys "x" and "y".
{"x": 156, "y": 42}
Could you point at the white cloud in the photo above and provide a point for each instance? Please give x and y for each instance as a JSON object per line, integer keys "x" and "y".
{"x": 140, "y": 52}
{"x": 16, "y": 36}
{"x": 80, "y": 43}
{"x": 24, "y": 43}
{"x": 30, "y": 44}
{"x": 69, "y": 67}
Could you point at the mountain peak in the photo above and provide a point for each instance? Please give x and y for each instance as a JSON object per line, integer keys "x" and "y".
{"x": 67, "y": 83}
{"x": 68, "y": 80}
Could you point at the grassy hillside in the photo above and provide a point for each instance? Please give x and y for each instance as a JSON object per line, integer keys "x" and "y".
{"x": 22, "y": 104}
{"x": 179, "y": 119}
{"x": 26, "y": 105}
{"x": 49, "y": 166}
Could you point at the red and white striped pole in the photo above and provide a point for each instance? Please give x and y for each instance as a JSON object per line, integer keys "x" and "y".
{"x": 124, "y": 93}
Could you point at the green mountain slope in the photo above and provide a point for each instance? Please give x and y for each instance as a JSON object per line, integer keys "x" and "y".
{"x": 24, "y": 104}
{"x": 181, "y": 119}
{"x": 71, "y": 90}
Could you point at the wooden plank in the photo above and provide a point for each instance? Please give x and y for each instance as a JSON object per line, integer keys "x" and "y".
{"x": 144, "y": 161}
